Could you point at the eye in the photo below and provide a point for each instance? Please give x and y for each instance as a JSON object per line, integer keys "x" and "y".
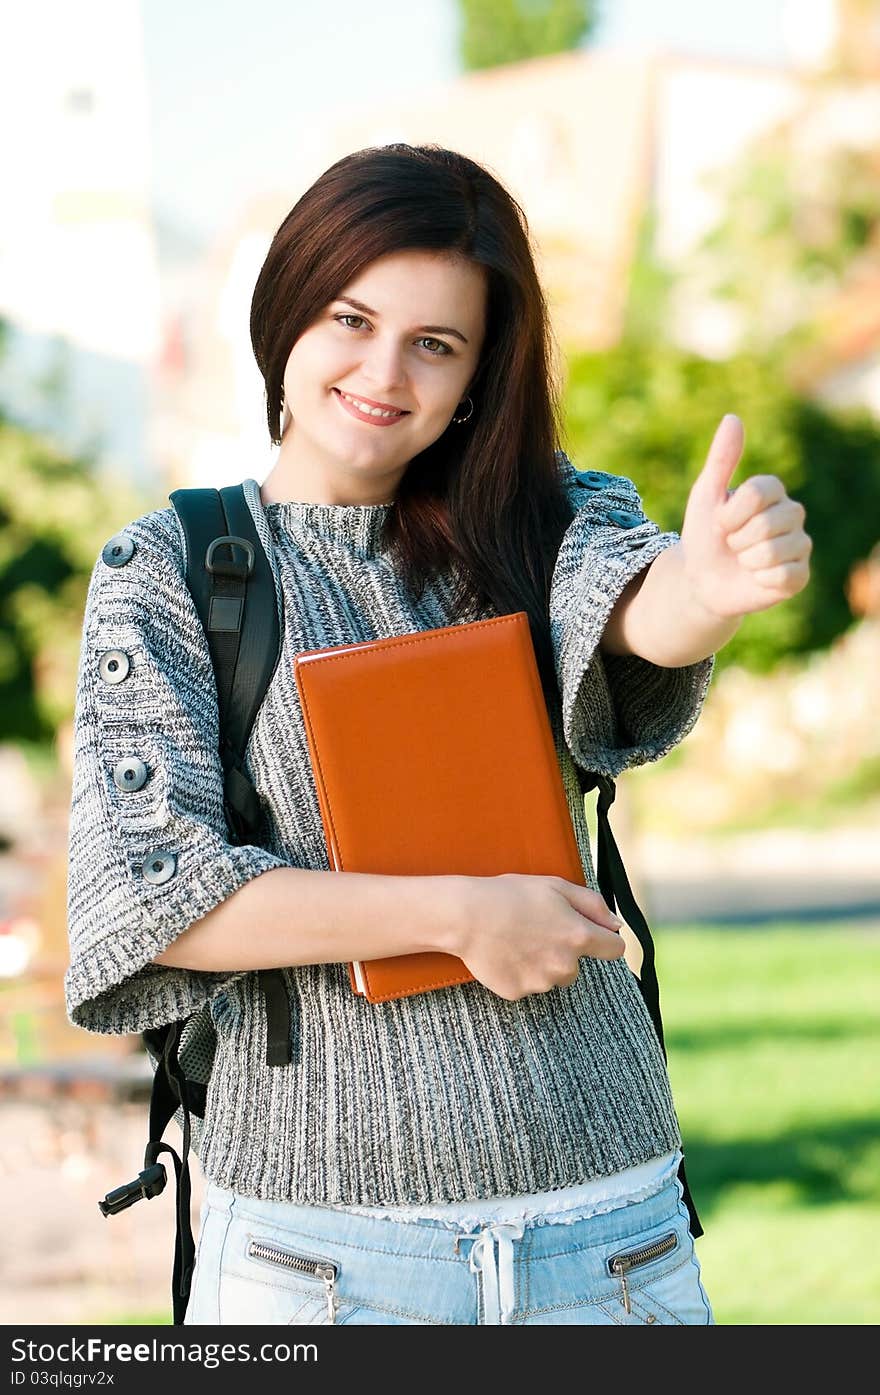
{"x": 443, "y": 348}
{"x": 439, "y": 352}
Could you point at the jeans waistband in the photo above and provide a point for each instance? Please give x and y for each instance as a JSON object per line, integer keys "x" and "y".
{"x": 420, "y": 1239}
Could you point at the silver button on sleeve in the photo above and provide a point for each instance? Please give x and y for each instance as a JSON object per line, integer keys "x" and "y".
{"x": 114, "y": 665}
{"x": 130, "y": 773}
{"x": 159, "y": 867}
{"x": 624, "y": 518}
{"x": 590, "y": 479}
{"x": 117, "y": 550}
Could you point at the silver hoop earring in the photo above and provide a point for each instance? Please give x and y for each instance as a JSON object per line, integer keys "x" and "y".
{"x": 467, "y": 415}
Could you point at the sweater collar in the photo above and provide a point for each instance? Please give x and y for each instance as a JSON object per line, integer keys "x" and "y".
{"x": 360, "y": 526}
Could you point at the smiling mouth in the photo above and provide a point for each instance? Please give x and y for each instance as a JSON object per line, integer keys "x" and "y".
{"x": 369, "y": 410}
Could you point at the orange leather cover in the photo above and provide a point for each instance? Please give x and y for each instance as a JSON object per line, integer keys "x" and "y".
{"x": 432, "y": 754}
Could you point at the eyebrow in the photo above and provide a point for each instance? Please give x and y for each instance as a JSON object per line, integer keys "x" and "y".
{"x": 429, "y": 329}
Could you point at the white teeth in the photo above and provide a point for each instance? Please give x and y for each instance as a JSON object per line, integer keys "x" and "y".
{"x": 369, "y": 411}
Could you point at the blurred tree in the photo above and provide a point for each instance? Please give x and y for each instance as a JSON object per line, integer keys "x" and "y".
{"x": 648, "y": 410}
{"x": 55, "y": 516}
{"x": 495, "y": 32}
{"x": 802, "y": 226}
{"x": 799, "y": 238}
{"x": 796, "y": 254}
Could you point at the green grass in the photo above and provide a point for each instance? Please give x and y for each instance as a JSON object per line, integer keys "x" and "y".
{"x": 773, "y": 1040}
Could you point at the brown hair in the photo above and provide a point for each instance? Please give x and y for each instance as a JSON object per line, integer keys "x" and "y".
{"x": 485, "y": 501}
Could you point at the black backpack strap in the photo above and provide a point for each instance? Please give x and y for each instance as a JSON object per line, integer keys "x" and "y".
{"x": 169, "y": 1093}
{"x": 615, "y": 888}
{"x": 230, "y": 578}
{"x": 231, "y": 581}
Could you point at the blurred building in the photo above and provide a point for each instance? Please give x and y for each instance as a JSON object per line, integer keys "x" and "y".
{"x": 587, "y": 142}
{"x": 147, "y": 329}
{"x": 79, "y": 270}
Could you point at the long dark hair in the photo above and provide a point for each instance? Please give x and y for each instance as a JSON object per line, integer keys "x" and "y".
{"x": 485, "y": 501}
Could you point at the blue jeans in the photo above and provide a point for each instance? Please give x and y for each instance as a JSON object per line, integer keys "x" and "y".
{"x": 266, "y": 1262}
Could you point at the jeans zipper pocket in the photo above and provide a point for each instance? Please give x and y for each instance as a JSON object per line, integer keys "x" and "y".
{"x": 620, "y": 1265}
{"x": 322, "y": 1269}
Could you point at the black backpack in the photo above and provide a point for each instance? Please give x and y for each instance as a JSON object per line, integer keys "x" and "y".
{"x": 232, "y": 584}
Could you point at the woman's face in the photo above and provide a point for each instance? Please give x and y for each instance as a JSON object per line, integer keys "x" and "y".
{"x": 406, "y": 334}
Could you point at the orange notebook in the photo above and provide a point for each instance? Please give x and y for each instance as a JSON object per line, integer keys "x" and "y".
{"x": 433, "y": 754}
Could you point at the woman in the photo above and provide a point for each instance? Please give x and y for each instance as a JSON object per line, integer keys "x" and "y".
{"x": 503, "y": 1151}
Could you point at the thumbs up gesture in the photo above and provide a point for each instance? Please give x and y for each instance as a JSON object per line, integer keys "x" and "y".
{"x": 743, "y": 549}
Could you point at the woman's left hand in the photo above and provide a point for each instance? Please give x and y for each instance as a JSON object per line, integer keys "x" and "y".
{"x": 744, "y": 549}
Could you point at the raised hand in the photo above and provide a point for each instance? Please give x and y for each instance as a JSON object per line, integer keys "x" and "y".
{"x": 744, "y": 549}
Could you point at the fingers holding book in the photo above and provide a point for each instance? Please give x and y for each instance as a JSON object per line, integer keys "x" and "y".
{"x": 521, "y": 934}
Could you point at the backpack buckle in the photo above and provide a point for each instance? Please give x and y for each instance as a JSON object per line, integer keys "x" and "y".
{"x": 147, "y": 1184}
{"x": 239, "y": 571}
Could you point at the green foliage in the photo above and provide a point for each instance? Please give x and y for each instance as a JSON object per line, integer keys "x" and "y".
{"x": 808, "y": 220}
{"x": 495, "y": 32}
{"x": 55, "y": 516}
{"x": 649, "y": 411}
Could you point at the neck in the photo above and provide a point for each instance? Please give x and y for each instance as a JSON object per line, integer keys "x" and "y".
{"x": 282, "y": 486}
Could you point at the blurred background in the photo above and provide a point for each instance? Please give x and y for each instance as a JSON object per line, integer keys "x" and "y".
{"x": 702, "y": 184}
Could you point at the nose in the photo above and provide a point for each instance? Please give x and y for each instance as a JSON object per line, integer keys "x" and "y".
{"x": 384, "y": 367}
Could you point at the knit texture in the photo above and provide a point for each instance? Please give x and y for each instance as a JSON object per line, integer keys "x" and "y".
{"x": 451, "y": 1095}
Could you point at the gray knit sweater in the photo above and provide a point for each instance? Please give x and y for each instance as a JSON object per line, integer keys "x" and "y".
{"x": 451, "y": 1095}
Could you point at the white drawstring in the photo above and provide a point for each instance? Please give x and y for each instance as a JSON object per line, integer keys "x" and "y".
{"x": 498, "y": 1295}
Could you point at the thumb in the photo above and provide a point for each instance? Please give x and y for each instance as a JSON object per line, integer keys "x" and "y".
{"x": 725, "y": 453}
{"x": 591, "y": 904}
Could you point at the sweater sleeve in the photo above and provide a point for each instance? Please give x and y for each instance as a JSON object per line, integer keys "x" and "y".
{"x": 618, "y": 710}
{"x": 148, "y": 851}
